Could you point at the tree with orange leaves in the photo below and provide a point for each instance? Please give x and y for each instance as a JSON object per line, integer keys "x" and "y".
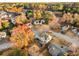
{"x": 14, "y": 9}
{"x": 22, "y": 36}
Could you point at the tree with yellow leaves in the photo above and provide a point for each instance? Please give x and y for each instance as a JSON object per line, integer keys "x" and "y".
{"x": 37, "y": 14}
{"x": 20, "y": 19}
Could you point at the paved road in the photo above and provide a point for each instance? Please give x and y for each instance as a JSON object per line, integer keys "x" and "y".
{"x": 5, "y": 46}
{"x": 67, "y": 38}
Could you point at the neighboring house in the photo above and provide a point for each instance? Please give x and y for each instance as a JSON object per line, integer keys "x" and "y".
{"x": 13, "y": 20}
{"x": 78, "y": 33}
{"x": 3, "y": 14}
{"x": 75, "y": 31}
{"x": 7, "y": 16}
{"x": 43, "y": 38}
{"x": 64, "y": 28}
{"x": 55, "y": 49}
{"x": 39, "y": 22}
{"x": 2, "y": 35}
